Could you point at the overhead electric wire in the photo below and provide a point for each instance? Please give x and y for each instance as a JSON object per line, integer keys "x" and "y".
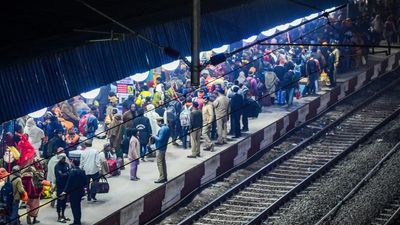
{"x": 173, "y": 53}
{"x": 172, "y": 100}
{"x": 283, "y": 32}
{"x": 187, "y": 133}
{"x": 305, "y": 5}
{"x": 166, "y": 103}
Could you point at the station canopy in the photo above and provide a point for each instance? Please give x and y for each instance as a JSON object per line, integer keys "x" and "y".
{"x": 45, "y": 58}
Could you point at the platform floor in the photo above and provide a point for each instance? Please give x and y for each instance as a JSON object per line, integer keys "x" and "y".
{"x": 124, "y": 191}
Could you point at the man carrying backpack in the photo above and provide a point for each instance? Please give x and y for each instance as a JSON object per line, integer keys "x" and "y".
{"x": 142, "y": 124}
{"x": 196, "y": 122}
{"x": 91, "y": 124}
{"x": 312, "y": 71}
{"x": 184, "y": 118}
{"x": 170, "y": 117}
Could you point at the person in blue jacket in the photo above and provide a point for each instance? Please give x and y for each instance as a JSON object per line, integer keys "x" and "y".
{"x": 161, "y": 141}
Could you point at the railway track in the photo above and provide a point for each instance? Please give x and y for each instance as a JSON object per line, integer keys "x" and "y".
{"x": 389, "y": 214}
{"x": 261, "y": 194}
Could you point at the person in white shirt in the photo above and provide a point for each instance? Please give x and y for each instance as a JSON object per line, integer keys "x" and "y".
{"x": 90, "y": 163}
{"x": 35, "y": 135}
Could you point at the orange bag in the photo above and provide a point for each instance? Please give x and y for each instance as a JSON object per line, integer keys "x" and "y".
{"x": 24, "y": 196}
{"x": 46, "y": 183}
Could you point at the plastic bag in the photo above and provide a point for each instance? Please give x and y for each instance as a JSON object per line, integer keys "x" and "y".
{"x": 15, "y": 152}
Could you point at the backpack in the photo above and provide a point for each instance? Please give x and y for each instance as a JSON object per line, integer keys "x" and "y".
{"x": 37, "y": 181}
{"x": 7, "y": 194}
{"x": 91, "y": 124}
{"x": 297, "y": 72}
{"x": 82, "y": 124}
{"x": 388, "y": 26}
{"x": 312, "y": 66}
{"x": 171, "y": 113}
{"x": 184, "y": 117}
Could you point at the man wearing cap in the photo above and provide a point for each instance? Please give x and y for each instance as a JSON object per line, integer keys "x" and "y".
{"x": 61, "y": 171}
{"x": 161, "y": 141}
{"x": 196, "y": 122}
{"x": 221, "y": 106}
{"x": 208, "y": 117}
{"x": 333, "y": 63}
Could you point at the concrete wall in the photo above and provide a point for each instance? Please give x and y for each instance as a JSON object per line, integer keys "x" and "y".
{"x": 152, "y": 204}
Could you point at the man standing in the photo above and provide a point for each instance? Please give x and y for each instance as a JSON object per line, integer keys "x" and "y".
{"x": 221, "y": 105}
{"x": 134, "y": 153}
{"x": 67, "y": 112}
{"x": 128, "y": 116}
{"x": 208, "y": 118}
{"x": 161, "y": 141}
{"x": 333, "y": 63}
{"x": 196, "y": 121}
{"x": 236, "y": 110}
{"x": 61, "y": 171}
{"x": 75, "y": 189}
{"x": 18, "y": 190}
{"x": 90, "y": 163}
{"x": 142, "y": 124}
{"x": 55, "y": 143}
{"x": 184, "y": 118}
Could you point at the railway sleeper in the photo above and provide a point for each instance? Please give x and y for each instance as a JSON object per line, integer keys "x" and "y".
{"x": 224, "y": 215}
{"x": 288, "y": 176}
{"x": 218, "y": 221}
{"x": 242, "y": 203}
{"x": 267, "y": 182}
{"x": 301, "y": 172}
{"x": 266, "y": 193}
{"x": 299, "y": 165}
{"x": 272, "y": 186}
{"x": 309, "y": 163}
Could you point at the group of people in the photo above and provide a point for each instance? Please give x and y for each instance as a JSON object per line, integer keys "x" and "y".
{"x": 58, "y": 147}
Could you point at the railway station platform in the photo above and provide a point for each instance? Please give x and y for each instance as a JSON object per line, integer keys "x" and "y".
{"x": 137, "y": 202}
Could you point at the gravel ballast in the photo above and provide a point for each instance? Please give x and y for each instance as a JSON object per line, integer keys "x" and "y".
{"x": 367, "y": 203}
{"x": 210, "y": 192}
{"x": 328, "y": 190}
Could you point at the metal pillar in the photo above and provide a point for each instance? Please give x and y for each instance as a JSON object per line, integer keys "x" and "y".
{"x": 195, "y": 65}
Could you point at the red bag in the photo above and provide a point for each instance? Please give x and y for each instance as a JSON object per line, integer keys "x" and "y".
{"x": 82, "y": 123}
{"x": 298, "y": 95}
{"x": 112, "y": 165}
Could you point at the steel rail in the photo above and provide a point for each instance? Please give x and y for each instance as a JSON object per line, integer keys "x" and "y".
{"x": 277, "y": 161}
{"x": 258, "y": 154}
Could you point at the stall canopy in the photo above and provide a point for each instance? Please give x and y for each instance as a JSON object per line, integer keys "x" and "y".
{"x": 44, "y": 60}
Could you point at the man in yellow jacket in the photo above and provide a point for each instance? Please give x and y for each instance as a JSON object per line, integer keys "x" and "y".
{"x": 143, "y": 95}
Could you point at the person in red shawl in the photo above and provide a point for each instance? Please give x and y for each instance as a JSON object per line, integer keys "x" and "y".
{"x": 24, "y": 147}
{"x": 32, "y": 181}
